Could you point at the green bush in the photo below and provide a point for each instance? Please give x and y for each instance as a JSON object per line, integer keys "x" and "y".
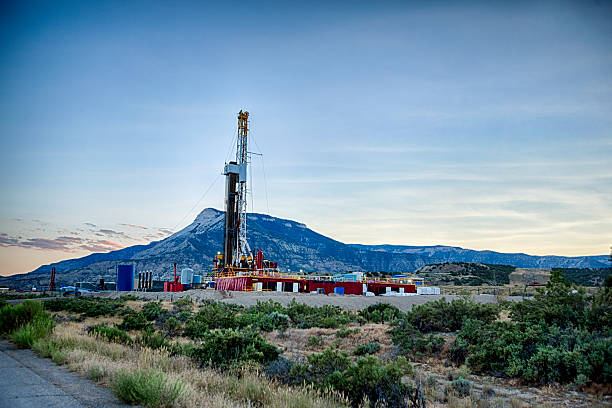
{"x": 314, "y": 341}
{"x": 326, "y": 316}
{"x": 86, "y": 306}
{"x": 346, "y": 332}
{"x": 462, "y": 387}
{"x": 444, "y": 316}
{"x": 370, "y": 348}
{"x": 153, "y": 310}
{"x": 537, "y": 353}
{"x": 280, "y": 370}
{"x": 413, "y": 342}
{"x": 224, "y": 347}
{"x": 367, "y": 377}
{"x": 380, "y": 313}
{"x": 134, "y": 321}
{"x": 560, "y": 303}
{"x": 184, "y": 304}
{"x": 14, "y": 317}
{"x": 148, "y": 388}
{"x": 172, "y": 326}
{"x": 562, "y": 335}
{"x": 273, "y": 321}
{"x": 213, "y": 315}
{"x": 40, "y": 327}
{"x": 112, "y": 334}
{"x": 151, "y": 339}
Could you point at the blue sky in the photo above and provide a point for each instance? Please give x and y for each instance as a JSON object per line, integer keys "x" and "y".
{"x": 481, "y": 125}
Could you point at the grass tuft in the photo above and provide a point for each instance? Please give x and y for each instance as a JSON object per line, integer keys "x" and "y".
{"x": 149, "y": 388}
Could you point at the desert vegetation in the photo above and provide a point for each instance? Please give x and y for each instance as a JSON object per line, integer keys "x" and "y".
{"x": 218, "y": 354}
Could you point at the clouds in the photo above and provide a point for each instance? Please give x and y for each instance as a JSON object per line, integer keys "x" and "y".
{"x": 62, "y": 243}
{"x": 39, "y": 235}
{"x": 101, "y": 246}
{"x": 112, "y": 233}
{"x": 134, "y": 226}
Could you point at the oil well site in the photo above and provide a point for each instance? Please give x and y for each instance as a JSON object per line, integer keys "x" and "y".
{"x": 305, "y": 204}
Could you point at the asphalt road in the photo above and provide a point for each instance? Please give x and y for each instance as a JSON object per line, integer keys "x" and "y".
{"x": 29, "y": 381}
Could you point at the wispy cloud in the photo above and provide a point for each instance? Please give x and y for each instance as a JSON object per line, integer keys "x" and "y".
{"x": 101, "y": 246}
{"x": 6, "y": 241}
{"x": 134, "y": 226}
{"x": 112, "y": 233}
{"x": 89, "y": 224}
{"x": 63, "y": 243}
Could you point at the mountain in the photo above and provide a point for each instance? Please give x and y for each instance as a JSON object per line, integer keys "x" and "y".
{"x": 291, "y": 244}
{"x": 441, "y": 253}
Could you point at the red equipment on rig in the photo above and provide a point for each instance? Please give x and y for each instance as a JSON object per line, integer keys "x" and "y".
{"x": 174, "y": 286}
{"x": 258, "y": 258}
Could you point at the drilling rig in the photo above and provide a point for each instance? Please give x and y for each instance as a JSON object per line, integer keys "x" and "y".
{"x": 236, "y": 250}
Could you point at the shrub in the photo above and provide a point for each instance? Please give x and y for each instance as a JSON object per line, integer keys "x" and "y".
{"x": 273, "y": 321}
{"x": 562, "y": 335}
{"x": 172, "y": 326}
{"x": 134, "y": 321}
{"x": 412, "y": 341}
{"x": 149, "y": 388}
{"x": 153, "y": 310}
{"x": 265, "y": 308}
{"x": 458, "y": 351}
{"x": 212, "y": 315}
{"x": 314, "y": 341}
{"x": 112, "y": 334}
{"x": 462, "y": 387}
{"x": 14, "y": 317}
{"x": 280, "y": 370}
{"x": 444, "y": 316}
{"x": 184, "y": 304}
{"x": 370, "y": 348}
{"x": 560, "y": 303}
{"x": 86, "y": 306}
{"x": 380, "y": 313}
{"x": 537, "y": 353}
{"x": 305, "y": 317}
{"x": 40, "y": 327}
{"x": 224, "y": 347}
{"x": 346, "y": 332}
{"x": 367, "y": 378}
{"x": 151, "y": 339}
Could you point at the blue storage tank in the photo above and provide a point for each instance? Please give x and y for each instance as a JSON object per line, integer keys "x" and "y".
{"x": 125, "y": 277}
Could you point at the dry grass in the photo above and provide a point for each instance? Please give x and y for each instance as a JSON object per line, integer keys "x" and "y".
{"x": 101, "y": 360}
{"x": 293, "y": 341}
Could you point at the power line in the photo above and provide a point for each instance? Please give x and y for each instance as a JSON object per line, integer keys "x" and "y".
{"x": 263, "y": 169}
{"x": 196, "y": 204}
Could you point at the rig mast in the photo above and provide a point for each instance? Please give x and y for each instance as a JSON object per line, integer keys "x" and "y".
{"x": 236, "y": 250}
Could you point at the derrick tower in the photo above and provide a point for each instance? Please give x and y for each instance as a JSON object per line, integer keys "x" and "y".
{"x": 236, "y": 251}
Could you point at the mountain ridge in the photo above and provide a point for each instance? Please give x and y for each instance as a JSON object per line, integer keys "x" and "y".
{"x": 292, "y": 244}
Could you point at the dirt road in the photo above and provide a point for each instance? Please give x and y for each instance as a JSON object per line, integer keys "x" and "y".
{"x": 349, "y": 302}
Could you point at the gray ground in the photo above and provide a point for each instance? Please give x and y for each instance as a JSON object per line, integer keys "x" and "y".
{"x": 29, "y": 381}
{"x": 349, "y": 302}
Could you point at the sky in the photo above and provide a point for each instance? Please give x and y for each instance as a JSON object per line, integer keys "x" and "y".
{"x": 485, "y": 125}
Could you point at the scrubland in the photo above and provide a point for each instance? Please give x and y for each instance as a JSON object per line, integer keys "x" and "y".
{"x": 554, "y": 349}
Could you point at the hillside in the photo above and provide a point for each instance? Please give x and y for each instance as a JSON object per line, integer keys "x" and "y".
{"x": 441, "y": 253}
